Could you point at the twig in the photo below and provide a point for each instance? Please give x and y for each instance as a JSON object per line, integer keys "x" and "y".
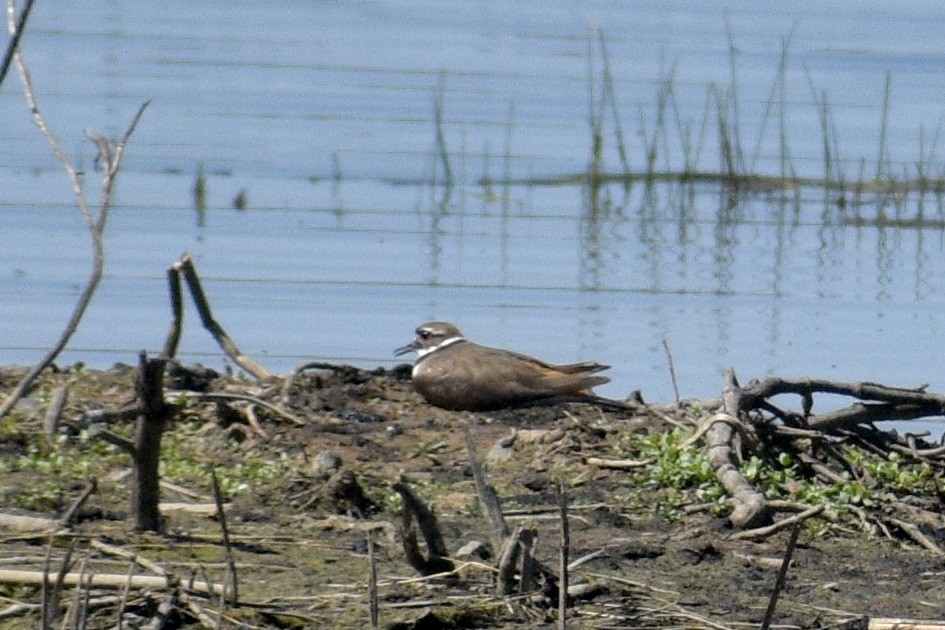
{"x": 916, "y": 534}
{"x": 618, "y": 464}
{"x": 253, "y": 421}
{"x": 372, "y": 582}
{"x": 672, "y": 370}
{"x": 124, "y": 595}
{"x": 565, "y": 544}
{"x": 140, "y": 561}
{"x": 760, "y": 532}
{"x": 227, "y": 548}
{"x": 782, "y": 575}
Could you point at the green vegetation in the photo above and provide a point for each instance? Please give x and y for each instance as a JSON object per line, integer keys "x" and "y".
{"x": 680, "y": 476}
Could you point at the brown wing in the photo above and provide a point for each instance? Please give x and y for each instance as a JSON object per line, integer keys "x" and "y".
{"x": 531, "y": 376}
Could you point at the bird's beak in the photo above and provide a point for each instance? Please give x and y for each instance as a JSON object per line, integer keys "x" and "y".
{"x": 410, "y": 347}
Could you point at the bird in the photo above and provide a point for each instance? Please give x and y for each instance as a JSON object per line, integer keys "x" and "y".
{"x": 454, "y": 373}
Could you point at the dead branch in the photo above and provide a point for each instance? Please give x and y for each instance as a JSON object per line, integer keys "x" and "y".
{"x": 109, "y": 157}
{"x": 750, "y": 509}
{"x": 912, "y": 530}
{"x": 617, "y": 464}
{"x": 761, "y": 532}
{"x": 508, "y": 560}
{"x": 877, "y": 401}
{"x": 28, "y": 523}
{"x": 185, "y": 267}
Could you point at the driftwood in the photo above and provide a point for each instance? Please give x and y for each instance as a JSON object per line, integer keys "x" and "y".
{"x": 749, "y": 418}
{"x": 750, "y": 508}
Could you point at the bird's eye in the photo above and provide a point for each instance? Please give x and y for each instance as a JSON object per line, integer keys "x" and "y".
{"x": 423, "y": 334}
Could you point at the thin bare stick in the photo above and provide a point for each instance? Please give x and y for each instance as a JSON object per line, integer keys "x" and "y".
{"x": 760, "y": 532}
{"x": 618, "y": 464}
{"x": 372, "y": 582}
{"x": 228, "y": 550}
{"x": 563, "y": 567}
{"x": 782, "y": 575}
{"x": 672, "y": 370}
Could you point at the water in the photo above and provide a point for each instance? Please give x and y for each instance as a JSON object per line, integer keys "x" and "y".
{"x": 323, "y": 112}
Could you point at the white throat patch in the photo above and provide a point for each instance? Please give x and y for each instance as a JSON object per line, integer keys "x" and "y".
{"x": 422, "y": 352}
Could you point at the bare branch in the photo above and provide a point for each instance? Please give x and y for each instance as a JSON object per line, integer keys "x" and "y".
{"x": 111, "y": 160}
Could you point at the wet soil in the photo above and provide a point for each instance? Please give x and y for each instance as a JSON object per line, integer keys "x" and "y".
{"x": 300, "y": 531}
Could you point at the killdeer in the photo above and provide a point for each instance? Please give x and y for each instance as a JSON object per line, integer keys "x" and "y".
{"x": 455, "y": 373}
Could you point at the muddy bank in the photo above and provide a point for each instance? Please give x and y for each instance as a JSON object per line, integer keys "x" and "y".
{"x": 304, "y": 492}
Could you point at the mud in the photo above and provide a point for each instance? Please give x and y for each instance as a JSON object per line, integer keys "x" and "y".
{"x": 301, "y": 537}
